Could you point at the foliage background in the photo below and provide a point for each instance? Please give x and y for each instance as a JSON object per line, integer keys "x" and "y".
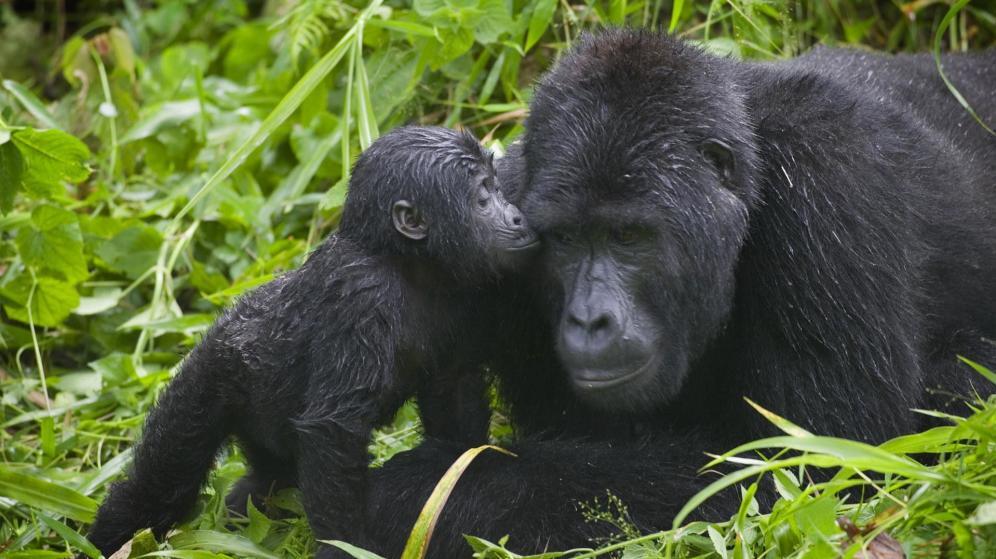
{"x": 158, "y": 158}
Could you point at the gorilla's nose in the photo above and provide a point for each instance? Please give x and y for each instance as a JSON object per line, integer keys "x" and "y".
{"x": 589, "y": 331}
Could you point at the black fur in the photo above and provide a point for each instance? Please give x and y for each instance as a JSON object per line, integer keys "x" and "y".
{"x": 818, "y": 235}
{"x": 302, "y": 369}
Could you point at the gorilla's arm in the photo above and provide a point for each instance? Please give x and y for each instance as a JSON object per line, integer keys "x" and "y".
{"x": 534, "y": 496}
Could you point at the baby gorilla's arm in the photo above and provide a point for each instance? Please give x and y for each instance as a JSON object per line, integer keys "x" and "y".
{"x": 454, "y": 406}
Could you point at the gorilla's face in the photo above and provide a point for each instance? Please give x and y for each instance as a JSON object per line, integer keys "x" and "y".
{"x": 643, "y": 209}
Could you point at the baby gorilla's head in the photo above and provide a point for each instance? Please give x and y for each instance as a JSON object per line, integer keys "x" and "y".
{"x": 431, "y": 193}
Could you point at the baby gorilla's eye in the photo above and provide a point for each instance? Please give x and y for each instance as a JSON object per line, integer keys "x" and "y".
{"x": 483, "y": 197}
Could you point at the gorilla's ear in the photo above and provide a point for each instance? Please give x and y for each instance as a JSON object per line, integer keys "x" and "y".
{"x": 408, "y": 220}
{"x": 720, "y": 155}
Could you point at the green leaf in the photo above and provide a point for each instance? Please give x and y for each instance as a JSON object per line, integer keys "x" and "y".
{"x": 162, "y": 116}
{"x": 718, "y": 542}
{"x": 259, "y": 524}
{"x": 427, "y": 8}
{"x": 103, "y": 298}
{"x": 114, "y": 369}
{"x": 76, "y": 59}
{"x": 676, "y": 9}
{"x": 220, "y": 542}
{"x": 142, "y": 543}
{"x": 785, "y": 425}
{"x": 51, "y": 157}
{"x": 132, "y": 250}
{"x": 181, "y": 61}
{"x": 44, "y": 495}
{"x": 11, "y": 174}
{"x": 187, "y": 324}
{"x": 31, "y": 103}
{"x": 818, "y": 515}
{"x": 416, "y": 29}
{"x": 418, "y": 540}
{"x": 124, "y": 54}
{"x": 334, "y": 197}
{"x": 186, "y": 553}
{"x": 495, "y": 21}
{"x": 74, "y": 540}
{"x": 352, "y": 550}
{"x": 990, "y": 376}
{"x": 51, "y": 302}
{"x": 366, "y": 122}
{"x": 539, "y": 21}
{"x": 938, "y": 41}
{"x": 984, "y": 515}
{"x": 284, "y": 109}
{"x": 53, "y": 242}
{"x": 204, "y": 280}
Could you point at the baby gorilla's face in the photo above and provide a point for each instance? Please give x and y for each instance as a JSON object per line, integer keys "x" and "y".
{"x": 501, "y": 228}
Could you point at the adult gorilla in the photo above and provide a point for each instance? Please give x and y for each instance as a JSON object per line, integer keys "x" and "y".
{"x": 818, "y": 235}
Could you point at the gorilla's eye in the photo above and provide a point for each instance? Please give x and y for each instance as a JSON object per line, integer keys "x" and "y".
{"x": 627, "y": 235}
{"x": 560, "y": 236}
{"x": 720, "y": 155}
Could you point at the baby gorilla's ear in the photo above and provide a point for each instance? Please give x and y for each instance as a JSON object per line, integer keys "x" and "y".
{"x": 408, "y": 220}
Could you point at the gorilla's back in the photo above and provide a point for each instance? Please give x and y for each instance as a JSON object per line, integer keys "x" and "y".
{"x": 911, "y": 84}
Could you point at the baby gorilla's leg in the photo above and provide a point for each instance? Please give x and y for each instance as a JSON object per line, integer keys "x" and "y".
{"x": 259, "y": 484}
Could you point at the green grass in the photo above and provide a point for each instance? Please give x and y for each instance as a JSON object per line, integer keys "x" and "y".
{"x": 158, "y": 159}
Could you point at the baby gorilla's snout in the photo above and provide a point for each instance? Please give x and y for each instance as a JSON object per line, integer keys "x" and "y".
{"x": 515, "y": 230}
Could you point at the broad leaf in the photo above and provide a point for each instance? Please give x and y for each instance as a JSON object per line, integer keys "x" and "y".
{"x": 51, "y": 157}
{"x": 51, "y": 302}
{"x": 230, "y": 544}
{"x": 53, "y": 242}
{"x": 133, "y": 250}
{"x": 11, "y": 174}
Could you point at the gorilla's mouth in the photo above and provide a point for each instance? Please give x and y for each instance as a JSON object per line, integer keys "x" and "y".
{"x": 528, "y": 244}
{"x": 600, "y": 379}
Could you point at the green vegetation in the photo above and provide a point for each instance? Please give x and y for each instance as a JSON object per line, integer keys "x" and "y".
{"x": 157, "y": 159}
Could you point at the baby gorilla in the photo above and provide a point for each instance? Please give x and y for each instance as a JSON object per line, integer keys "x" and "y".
{"x": 403, "y": 299}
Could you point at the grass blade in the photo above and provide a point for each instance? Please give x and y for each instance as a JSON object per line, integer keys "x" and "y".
{"x": 284, "y": 109}
{"x": 418, "y": 540}
{"x": 45, "y": 495}
{"x": 31, "y": 103}
{"x": 938, "y": 38}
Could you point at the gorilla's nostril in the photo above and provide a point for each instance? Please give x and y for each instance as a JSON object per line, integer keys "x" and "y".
{"x": 517, "y": 220}
{"x": 599, "y": 324}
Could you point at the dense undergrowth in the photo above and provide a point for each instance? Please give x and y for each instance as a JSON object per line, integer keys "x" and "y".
{"x": 157, "y": 159}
